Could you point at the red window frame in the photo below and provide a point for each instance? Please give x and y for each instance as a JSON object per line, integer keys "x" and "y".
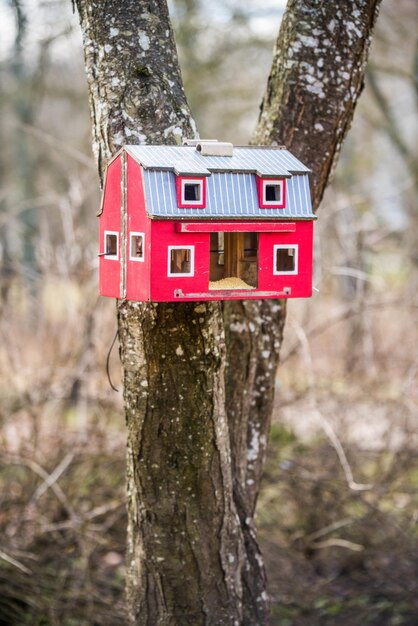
{"x": 184, "y": 204}
{"x": 261, "y": 183}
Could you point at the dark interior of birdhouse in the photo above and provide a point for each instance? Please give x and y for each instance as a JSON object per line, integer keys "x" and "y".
{"x": 192, "y": 192}
{"x": 285, "y": 259}
{"x": 233, "y": 260}
{"x": 273, "y": 193}
{"x": 180, "y": 261}
{"x": 111, "y": 244}
{"x": 137, "y": 246}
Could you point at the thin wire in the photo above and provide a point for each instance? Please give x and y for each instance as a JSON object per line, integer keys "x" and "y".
{"x": 108, "y": 362}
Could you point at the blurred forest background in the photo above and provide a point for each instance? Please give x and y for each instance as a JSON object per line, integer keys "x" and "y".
{"x": 338, "y": 512}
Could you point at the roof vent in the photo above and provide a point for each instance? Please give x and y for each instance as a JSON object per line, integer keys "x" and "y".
{"x": 195, "y": 142}
{"x": 215, "y": 148}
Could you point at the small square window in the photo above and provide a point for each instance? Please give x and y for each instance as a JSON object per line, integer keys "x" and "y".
{"x": 137, "y": 247}
{"x": 285, "y": 259}
{"x": 110, "y": 245}
{"x": 273, "y": 192}
{"x": 180, "y": 261}
{"x": 192, "y": 191}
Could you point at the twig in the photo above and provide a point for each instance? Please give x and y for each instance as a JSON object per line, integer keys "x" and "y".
{"x": 391, "y": 125}
{"x": 341, "y": 543}
{"x": 90, "y": 515}
{"x": 340, "y": 314}
{"x": 353, "y": 273}
{"x": 324, "y": 423}
{"x": 54, "y": 143}
{"x": 53, "y": 477}
{"x": 42, "y": 473}
{"x": 104, "y": 508}
{"x": 394, "y": 70}
{"x": 108, "y": 362}
{"x": 12, "y": 561}
{"x": 332, "y": 436}
{"x": 330, "y": 528}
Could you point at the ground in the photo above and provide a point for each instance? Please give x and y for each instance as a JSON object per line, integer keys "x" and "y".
{"x": 338, "y": 509}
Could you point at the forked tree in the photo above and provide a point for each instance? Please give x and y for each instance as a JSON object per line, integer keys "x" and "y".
{"x": 199, "y": 377}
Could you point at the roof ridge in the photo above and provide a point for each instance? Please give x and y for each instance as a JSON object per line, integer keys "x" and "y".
{"x": 262, "y": 147}
{"x": 162, "y": 145}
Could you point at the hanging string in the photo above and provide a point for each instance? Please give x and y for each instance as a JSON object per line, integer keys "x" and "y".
{"x": 108, "y": 362}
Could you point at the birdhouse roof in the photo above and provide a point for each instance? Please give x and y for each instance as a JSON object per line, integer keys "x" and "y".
{"x": 187, "y": 160}
{"x": 231, "y": 189}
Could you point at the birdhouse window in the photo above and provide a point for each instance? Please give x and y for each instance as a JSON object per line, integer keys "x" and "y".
{"x": 271, "y": 193}
{"x": 191, "y": 193}
{"x": 181, "y": 261}
{"x": 111, "y": 245}
{"x": 285, "y": 259}
{"x": 137, "y": 247}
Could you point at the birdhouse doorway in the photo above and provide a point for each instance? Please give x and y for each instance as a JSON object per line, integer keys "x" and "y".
{"x": 233, "y": 260}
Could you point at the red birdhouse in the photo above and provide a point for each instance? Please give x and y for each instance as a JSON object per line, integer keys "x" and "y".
{"x": 205, "y": 221}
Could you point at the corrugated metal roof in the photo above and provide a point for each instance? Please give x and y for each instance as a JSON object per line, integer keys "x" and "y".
{"x": 227, "y": 195}
{"x": 187, "y": 160}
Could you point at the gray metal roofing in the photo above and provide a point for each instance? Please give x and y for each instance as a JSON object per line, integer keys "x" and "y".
{"x": 228, "y": 195}
{"x": 184, "y": 160}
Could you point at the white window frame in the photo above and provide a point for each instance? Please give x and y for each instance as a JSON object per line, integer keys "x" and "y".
{"x": 111, "y": 257}
{"x": 137, "y": 258}
{"x": 180, "y": 274}
{"x": 285, "y": 246}
{"x": 192, "y": 181}
{"x": 272, "y": 181}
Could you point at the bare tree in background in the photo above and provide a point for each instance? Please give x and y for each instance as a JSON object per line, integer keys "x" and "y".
{"x": 199, "y": 377}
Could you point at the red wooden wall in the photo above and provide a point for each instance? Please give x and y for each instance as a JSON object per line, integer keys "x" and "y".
{"x": 109, "y": 269}
{"x": 137, "y": 272}
{"x": 300, "y": 283}
{"x": 165, "y": 233}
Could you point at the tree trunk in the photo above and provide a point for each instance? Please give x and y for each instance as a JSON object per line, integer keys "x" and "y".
{"x": 185, "y": 541}
{"x": 316, "y": 79}
{"x": 193, "y": 476}
{"x": 185, "y": 545}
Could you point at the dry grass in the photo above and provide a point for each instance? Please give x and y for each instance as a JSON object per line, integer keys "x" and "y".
{"x": 62, "y": 501}
{"x": 338, "y": 511}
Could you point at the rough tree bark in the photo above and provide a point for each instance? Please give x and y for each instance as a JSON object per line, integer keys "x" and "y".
{"x": 195, "y": 455}
{"x": 185, "y": 544}
{"x": 316, "y": 79}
